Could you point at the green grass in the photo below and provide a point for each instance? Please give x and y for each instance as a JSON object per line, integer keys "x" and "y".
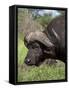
{"x": 42, "y": 72}
{"x": 22, "y": 51}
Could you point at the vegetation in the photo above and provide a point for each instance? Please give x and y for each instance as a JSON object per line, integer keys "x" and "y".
{"x": 44, "y": 20}
{"x": 28, "y": 22}
{"x": 33, "y": 73}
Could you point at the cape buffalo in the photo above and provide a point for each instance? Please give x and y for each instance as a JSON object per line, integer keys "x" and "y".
{"x": 47, "y": 44}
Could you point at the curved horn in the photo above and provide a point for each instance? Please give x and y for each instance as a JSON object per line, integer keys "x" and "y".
{"x": 55, "y": 34}
{"x": 40, "y": 36}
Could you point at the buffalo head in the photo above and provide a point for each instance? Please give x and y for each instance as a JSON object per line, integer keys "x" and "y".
{"x": 39, "y": 48}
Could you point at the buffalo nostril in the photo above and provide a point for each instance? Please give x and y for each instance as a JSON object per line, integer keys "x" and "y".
{"x": 27, "y": 61}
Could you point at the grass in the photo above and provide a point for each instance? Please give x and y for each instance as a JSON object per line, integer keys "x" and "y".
{"x": 42, "y": 72}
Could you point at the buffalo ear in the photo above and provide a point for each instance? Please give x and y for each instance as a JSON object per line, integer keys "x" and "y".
{"x": 44, "y": 51}
{"x": 49, "y": 51}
